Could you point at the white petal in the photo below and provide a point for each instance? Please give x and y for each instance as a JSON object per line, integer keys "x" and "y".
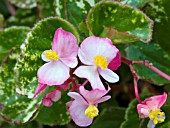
{"x": 109, "y": 75}
{"x": 90, "y": 73}
{"x": 150, "y": 124}
{"x": 53, "y": 73}
{"x": 70, "y": 61}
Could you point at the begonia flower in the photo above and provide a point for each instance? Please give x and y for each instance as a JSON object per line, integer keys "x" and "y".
{"x": 83, "y": 108}
{"x": 100, "y": 56}
{"x": 60, "y": 59}
{"x": 50, "y": 97}
{"x": 150, "y": 107}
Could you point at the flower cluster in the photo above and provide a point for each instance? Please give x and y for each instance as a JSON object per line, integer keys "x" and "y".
{"x": 99, "y": 57}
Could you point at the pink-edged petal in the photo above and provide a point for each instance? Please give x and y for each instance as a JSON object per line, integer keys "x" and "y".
{"x": 159, "y": 99}
{"x": 143, "y": 110}
{"x": 103, "y": 99}
{"x": 76, "y": 111}
{"x": 85, "y": 58}
{"x": 94, "y": 46}
{"x": 90, "y": 73}
{"x": 40, "y": 88}
{"x": 93, "y": 95}
{"x": 115, "y": 63}
{"x": 47, "y": 102}
{"x": 53, "y": 73}
{"x": 109, "y": 75}
{"x": 43, "y": 56}
{"x": 65, "y": 43}
{"x": 54, "y": 95}
{"x": 70, "y": 61}
{"x": 76, "y": 96}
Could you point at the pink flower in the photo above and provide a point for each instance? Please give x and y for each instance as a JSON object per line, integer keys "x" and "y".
{"x": 151, "y": 108}
{"x": 84, "y": 106}
{"x": 50, "y": 97}
{"x": 59, "y": 59}
{"x": 100, "y": 56}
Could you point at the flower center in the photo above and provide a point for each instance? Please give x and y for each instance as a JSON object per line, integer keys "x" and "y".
{"x": 51, "y": 54}
{"x": 91, "y": 111}
{"x": 101, "y": 61}
{"x": 157, "y": 116}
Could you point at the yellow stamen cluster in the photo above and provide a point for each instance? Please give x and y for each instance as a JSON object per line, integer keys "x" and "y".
{"x": 51, "y": 54}
{"x": 101, "y": 61}
{"x": 154, "y": 115}
{"x": 91, "y": 111}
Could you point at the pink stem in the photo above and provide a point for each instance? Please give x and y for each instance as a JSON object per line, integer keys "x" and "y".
{"x": 135, "y": 81}
{"x": 11, "y": 8}
{"x": 85, "y": 82}
{"x": 160, "y": 72}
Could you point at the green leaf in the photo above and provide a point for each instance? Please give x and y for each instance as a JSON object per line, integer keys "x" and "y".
{"x": 120, "y": 18}
{"x": 73, "y": 10}
{"x": 158, "y": 51}
{"x": 46, "y": 8}
{"x": 154, "y": 54}
{"x": 57, "y": 114}
{"x": 33, "y": 124}
{"x": 11, "y": 37}
{"x": 132, "y": 118}
{"x": 159, "y": 11}
{"x": 38, "y": 40}
{"x": 23, "y": 17}
{"x": 14, "y": 108}
{"x": 109, "y": 118}
{"x": 28, "y": 4}
{"x": 136, "y": 3}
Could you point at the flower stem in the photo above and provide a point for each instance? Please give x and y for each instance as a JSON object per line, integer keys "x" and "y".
{"x": 135, "y": 81}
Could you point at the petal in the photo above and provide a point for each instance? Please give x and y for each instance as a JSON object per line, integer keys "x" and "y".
{"x": 93, "y": 46}
{"x": 109, "y": 75}
{"x": 70, "y": 61}
{"x": 76, "y": 96}
{"x": 159, "y": 99}
{"x": 44, "y": 57}
{"x": 90, "y": 73}
{"x": 103, "y": 99}
{"x": 115, "y": 63}
{"x": 93, "y": 95}
{"x": 54, "y": 95}
{"x": 53, "y": 73}
{"x": 76, "y": 111}
{"x": 47, "y": 102}
{"x": 143, "y": 110}
{"x": 40, "y": 88}
{"x": 150, "y": 124}
{"x": 65, "y": 44}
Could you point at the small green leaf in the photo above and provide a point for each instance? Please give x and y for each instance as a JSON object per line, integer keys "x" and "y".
{"x": 136, "y": 3}
{"x": 11, "y": 37}
{"x": 123, "y": 18}
{"x": 57, "y": 114}
{"x": 46, "y": 8}
{"x": 38, "y": 40}
{"x": 109, "y": 118}
{"x": 23, "y": 17}
{"x": 28, "y": 4}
